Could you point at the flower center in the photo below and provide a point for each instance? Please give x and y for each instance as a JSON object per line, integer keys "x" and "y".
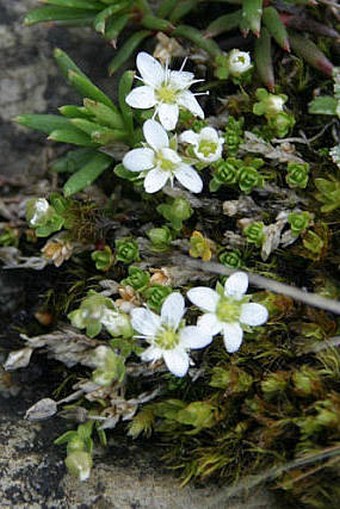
{"x": 228, "y": 310}
{"x": 167, "y": 338}
{"x": 165, "y": 163}
{"x": 166, "y": 94}
{"x": 207, "y": 147}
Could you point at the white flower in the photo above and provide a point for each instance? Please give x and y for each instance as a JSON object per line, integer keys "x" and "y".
{"x": 160, "y": 162}
{"x": 168, "y": 337}
{"x": 165, "y": 90}
{"x": 227, "y": 309}
{"x": 238, "y": 62}
{"x": 207, "y": 144}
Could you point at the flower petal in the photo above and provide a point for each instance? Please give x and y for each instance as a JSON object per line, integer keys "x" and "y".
{"x": 155, "y": 135}
{"x": 188, "y": 101}
{"x": 232, "y": 336}
{"x": 173, "y": 310}
{"x": 139, "y": 159}
{"x": 253, "y": 314}
{"x": 236, "y": 285}
{"x": 177, "y": 361}
{"x": 145, "y": 321}
{"x": 189, "y": 178}
{"x": 151, "y": 354}
{"x": 155, "y": 180}
{"x": 189, "y": 137}
{"x": 142, "y": 98}
{"x": 168, "y": 115}
{"x": 181, "y": 79}
{"x": 194, "y": 337}
{"x": 151, "y": 70}
{"x": 204, "y": 298}
{"x": 210, "y": 324}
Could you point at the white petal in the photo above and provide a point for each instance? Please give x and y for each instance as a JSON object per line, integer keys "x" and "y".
{"x": 152, "y": 72}
{"x": 253, "y": 314}
{"x": 173, "y": 310}
{"x": 188, "y": 101}
{"x": 155, "y": 180}
{"x": 232, "y": 335}
{"x": 139, "y": 159}
{"x": 204, "y": 298}
{"x": 141, "y": 97}
{"x": 189, "y": 137}
{"x": 151, "y": 354}
{"x": 236, "y": 285}
{"x": 209, "y": 133}
{"x": 168, "y": 115}
{"x": 145, "y": 321}
{"x": 155, "y": 135}
{"x": 181, "y": 79}
{"x": 194, "y": 337}
{"x": 210, "y": 324}
{"x": 189, "y": 178}
{"x": 177, "y": 361}
{"x": 170, "y": 155}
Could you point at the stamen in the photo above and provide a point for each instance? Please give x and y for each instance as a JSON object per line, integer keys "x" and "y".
{"x": 183, "y": 64}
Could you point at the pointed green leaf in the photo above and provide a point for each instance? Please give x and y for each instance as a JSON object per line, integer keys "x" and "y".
{"x": 87, "y": 89}
{"x": 44, "y": 14}
{"x": 88, "y": 174}
{"x": 43, "y": 123}
{"x": 125, "y": 51}
{"x": 104, "y": 115}
{"x": 73, "y": 136}
{"x": 73, "y": 160}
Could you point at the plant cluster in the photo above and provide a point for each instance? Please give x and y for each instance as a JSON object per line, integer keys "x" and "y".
{"x": 154, "y": 341}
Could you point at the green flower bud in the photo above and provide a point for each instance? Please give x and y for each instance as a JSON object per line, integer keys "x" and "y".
{"x": 103, "y": 259}
{"x": 282, "y": 123}
{"x": 255, "y": 233}
{"x": 127, "y": 250}
{"x": 138, "y": 279}
{"x": 177, "y": 211}
{"x": 156, "y": 295}
{"x": 160, "y": 238}
{"x": 299, "y": 222}
{"x": 297, "y": 175}
{"x": 79, "y": 464}
{"x": 248, "y": 178}
{"x": 227, "y": 171}
{"x": 231, "y": 259}
{"x": 110, "y": 366}
{"x": 269, "y": 105}
{"x": 313, "y": 242}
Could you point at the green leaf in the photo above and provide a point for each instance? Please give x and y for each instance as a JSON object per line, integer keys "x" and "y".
{"x": 125, "y": 85}
{"x": 71, "y": 111}
{"x": 44, "y": 123}
{"x": 87, "y": 174}
{"x": 90, "y": 5}
{"x": 104, "y": 115}
{"x": 123, "y": 173}
{"x": 115, "y": 26}
{"x": 101, "y": 18}
{"x": 87, "y": 89}
{"x": 73, "y": 136}
{"x": 325, "y": 105}
{"x": 61, "y": 14}
{"x": 126, "y": 50}
{"x": 73, "y": 160}
{"x": 66, "y": 64}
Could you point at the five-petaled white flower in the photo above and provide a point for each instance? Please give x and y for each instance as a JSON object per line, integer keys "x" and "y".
{"x": 161, "y": 162}
{"x": 207, "y": 144}
{"x": 165, "y": 90}
{"x": 238, "y": 62}
{"x": 167, "y": 334}
{"x": 227, "y": 309}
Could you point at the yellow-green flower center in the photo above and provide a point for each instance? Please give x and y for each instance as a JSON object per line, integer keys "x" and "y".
{"x": 167, "y": 338}
{"x": 166, "y": 94}
{"x": 228, "y": 310}
{"x": 165, "y": 164}
{"x": 207, "y": 147}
